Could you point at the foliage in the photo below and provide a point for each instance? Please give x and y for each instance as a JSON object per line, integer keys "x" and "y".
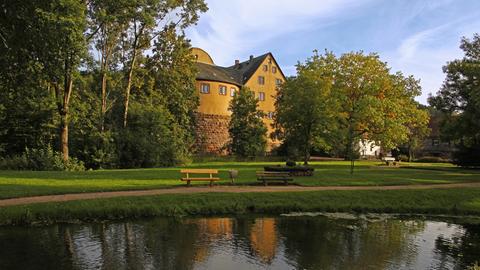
{"x": 304, "y": 108}
{"x": 459, "y": 100}
{"x": 151, "y": 139}
{"x": 44, "y": 159}
{"x": 431, "y": 159}
{"x": 246, "y": 128}
{"x": 56, "y": 92}
{"x": 337, "y": 102}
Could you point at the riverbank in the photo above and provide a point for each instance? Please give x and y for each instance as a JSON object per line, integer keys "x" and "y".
{"x": 454, "y": 201}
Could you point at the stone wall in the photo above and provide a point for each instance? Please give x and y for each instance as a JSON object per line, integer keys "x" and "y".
{"x": 212, "y": 133}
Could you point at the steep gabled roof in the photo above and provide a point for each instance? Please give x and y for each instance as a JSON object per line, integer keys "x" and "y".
{"x": 248, "y": 68}
{"x": 237, "y": 74}
{"x": 218, "y": 74}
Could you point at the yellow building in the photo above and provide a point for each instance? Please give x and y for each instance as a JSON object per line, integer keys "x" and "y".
{"x": 217, "y": 85}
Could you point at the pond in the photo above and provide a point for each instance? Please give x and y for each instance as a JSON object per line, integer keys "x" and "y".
{"x": 283, "y": 242}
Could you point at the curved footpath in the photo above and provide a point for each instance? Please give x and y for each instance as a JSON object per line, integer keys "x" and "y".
{"x": 216, "y": 189}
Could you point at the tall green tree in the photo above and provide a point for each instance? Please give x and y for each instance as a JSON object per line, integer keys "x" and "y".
{"x": 59, "y": 29}
{"x": 147, "y": 17}
{"x": 305, "y": 111}
{"x": 246, "y": 128}
{"x": 173, "y": 73}
{"x": 459, "y": 100}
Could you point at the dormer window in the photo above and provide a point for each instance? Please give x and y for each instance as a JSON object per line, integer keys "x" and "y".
{"x": 261, "y": 80}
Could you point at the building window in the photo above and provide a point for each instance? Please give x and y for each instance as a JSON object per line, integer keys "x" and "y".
{"x": 278, "y": 82}
{"x": 222, "y": 90}
{"x": 261, "y": 96}
{"x": 270, "y": 115}
{"x": 205, "y": 88}
{"x": 261, "y": 80}
{"x": 265, "y": 68}
{"x": 274, "y": 69}
{"x": 233, "y": 92}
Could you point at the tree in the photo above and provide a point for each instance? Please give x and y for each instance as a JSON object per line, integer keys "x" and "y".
{"x": 459, "y": 100}
{"x": 173, "y": 73}
{"x": 374, "y": 104}
{"x": 108, "y": 19}
{"x": 304, "y": 117}
{"x": 418, "y": 129}
{"x": 246, "y": 128}
{"x": 59, "y": 31}
{"x": 143, "y": 27}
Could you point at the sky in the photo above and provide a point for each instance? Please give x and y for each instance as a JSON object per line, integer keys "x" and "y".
{"x": 416, "y": 37}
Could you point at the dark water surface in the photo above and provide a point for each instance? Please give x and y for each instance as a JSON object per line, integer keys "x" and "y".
{"x": 287, "y": 242}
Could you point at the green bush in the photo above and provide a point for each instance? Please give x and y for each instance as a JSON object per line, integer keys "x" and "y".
{"x": 151, "y": 139}
{"x": 45, "y": 159}
{"x": 467, "y": 156}
{"x": 430, "y": 159}
{"x": 290, "y": 163}
{"x": 403, "y": 158}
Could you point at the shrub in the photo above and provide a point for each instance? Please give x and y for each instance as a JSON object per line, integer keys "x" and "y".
{"x": 467, "y": 156}
{"x": 41, "y": 160}
{"x": 151, "y": 139}
{"x": 430, "y": 159}
{"x": 290, "y": 163}
{"x": 403, "y": 158}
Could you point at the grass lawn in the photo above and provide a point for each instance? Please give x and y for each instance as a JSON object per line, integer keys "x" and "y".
{"x": 435, "y": 201}
{"x": 335, "y": 173}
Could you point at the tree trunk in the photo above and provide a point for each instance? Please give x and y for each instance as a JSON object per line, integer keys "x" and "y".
{"x": 129, "y": 86}
{"x": 64, "y": 136}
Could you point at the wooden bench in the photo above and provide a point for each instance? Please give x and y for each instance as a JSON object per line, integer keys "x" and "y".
{"x": 199, "y": 175}
{"x": 266, "y": 177}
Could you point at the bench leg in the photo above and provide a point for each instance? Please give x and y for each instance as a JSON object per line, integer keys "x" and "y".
{"x": 188, "y": 183}
{"x": 264, "y": 182}
{"x": 211, "y": 183}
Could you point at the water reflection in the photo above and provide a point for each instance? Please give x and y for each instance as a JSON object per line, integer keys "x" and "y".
{"x": 243, "y": 243}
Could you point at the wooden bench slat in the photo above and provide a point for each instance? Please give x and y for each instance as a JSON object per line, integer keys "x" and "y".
{"x": 200, "y": 179}
{"x": 199, "y": 171}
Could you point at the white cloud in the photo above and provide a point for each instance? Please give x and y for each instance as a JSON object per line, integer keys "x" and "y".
{"x": 423, "y": 54}
{"x": 230, "y": 29}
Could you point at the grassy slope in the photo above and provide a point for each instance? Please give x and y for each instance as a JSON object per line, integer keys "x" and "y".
{"x": 26, "y": 183}
{"x": 452, "y": 201}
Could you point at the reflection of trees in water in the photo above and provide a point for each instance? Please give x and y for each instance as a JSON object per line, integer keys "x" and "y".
{"x": 462, "y": 247}
{"x": 310, "y": 243}
{"x": 320, "y": 243}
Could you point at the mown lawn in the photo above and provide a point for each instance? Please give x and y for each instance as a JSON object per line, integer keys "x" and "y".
{"x": 335, "y": 173}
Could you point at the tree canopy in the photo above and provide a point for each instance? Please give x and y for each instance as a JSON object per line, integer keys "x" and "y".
{"x": 246, "y": 128}
{"x": 459, "y": 100}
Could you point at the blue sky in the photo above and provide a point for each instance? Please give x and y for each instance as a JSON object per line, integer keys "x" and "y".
{"x": 416, "y": 37}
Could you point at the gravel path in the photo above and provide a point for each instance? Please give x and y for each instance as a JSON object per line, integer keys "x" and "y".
{"x": 216, "y": 189}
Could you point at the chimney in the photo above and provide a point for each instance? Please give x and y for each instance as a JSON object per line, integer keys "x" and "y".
{"x": 237, "y": 63}
{"x": 251, "y": 57}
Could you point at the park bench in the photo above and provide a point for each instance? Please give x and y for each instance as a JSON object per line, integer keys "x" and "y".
{"x": 266, "y": 177}
{"x": 390, "y": 161}
{"x": 190, "y": 175}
